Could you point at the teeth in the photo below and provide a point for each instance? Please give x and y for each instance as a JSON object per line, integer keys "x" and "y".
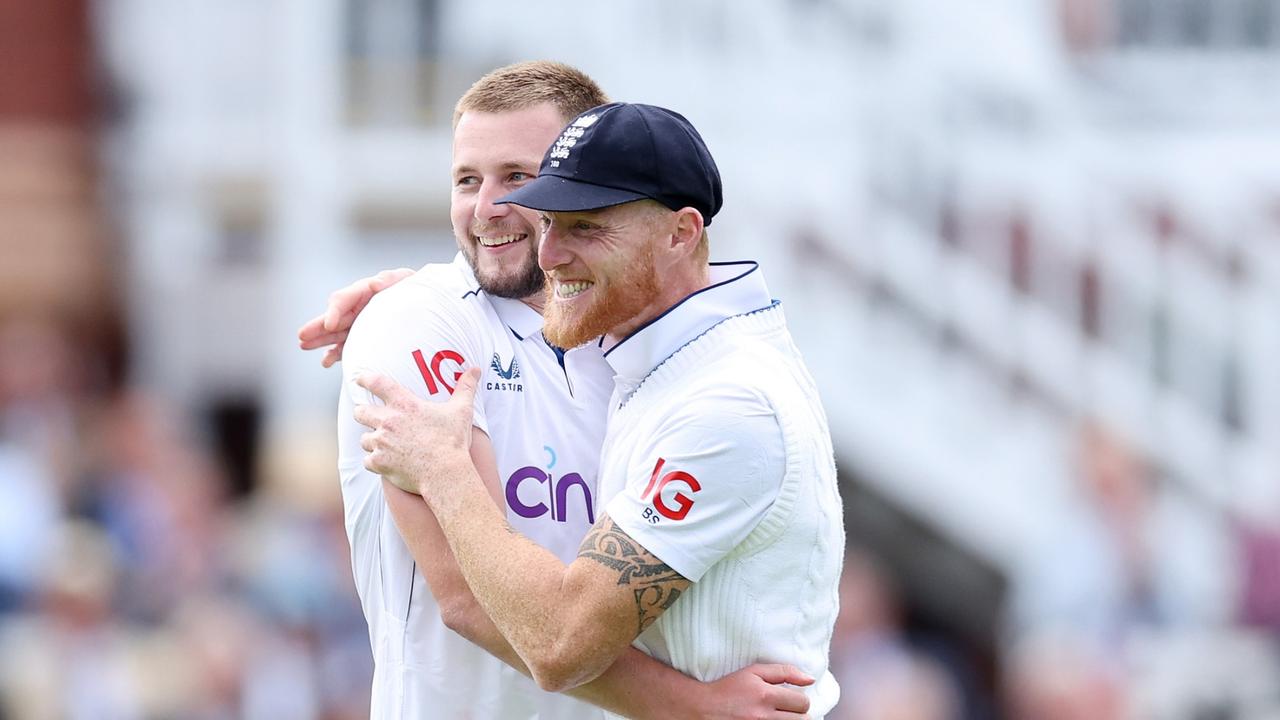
{"x": 571, "y": 289}
{"x": 498, "y": 240}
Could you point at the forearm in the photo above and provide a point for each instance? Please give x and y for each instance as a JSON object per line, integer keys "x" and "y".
{"x": 430, "y": 550}
{"x": 636, "y": 686}
{"x": 521, "y": 586}
{"x": 639, "y": 687}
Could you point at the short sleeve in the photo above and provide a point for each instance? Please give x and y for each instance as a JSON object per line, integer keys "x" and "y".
{"x": 419, "y": 337}
{"x": 703, "y": 483}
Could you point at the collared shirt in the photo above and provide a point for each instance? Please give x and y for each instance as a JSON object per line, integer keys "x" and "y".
{"x": 722, "y": 432}
{"x": 543, "y": 410}
{"x": 736, "y": 288}
{"x": 718, "y": 462}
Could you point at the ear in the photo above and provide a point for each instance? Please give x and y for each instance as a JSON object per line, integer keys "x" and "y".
{"x": 687, "y": 230}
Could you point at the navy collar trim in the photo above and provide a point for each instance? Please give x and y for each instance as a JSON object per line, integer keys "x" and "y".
{"x": 775, "y": 303}
{"x": 752, "y": 266}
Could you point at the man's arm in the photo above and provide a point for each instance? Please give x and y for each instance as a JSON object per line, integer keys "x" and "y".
{"x": 329, "y": 330}
{"x": 636, "y": 685}
{"x": 568, "y": 624}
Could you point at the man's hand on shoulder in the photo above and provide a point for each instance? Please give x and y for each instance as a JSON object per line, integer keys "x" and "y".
{"x": 329, "y": 330}
{"x": 412, "y": 441}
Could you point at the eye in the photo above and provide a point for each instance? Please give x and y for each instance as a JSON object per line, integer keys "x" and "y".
{"x": 583, "y": 225}
{"x": 467, "y": 180}
{"x": 521, "y": 176}
{"x": 544, "y": 221}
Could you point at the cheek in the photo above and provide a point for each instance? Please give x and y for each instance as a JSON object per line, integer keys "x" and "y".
{"x": 527, "y": 216}
{"x": 461, "y": 210}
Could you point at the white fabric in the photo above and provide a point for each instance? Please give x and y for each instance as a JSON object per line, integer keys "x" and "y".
{"x": 546, "y": 423}
{"x": 720, "y": 454}
{"x": 716, "y": 389}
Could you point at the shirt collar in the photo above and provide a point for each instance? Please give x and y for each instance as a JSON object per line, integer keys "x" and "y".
{"x": 736, "y": 288}
{"x": 520, "y": 319}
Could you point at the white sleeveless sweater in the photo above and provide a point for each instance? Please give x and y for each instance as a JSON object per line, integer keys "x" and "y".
{"x": 773, "y": 598}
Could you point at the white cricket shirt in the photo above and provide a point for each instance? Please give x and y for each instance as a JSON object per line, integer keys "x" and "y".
{"x": 718, "y": 461}
{"x": 544, "y": 411}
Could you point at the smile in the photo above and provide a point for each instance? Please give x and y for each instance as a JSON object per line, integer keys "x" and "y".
{"x": 499, "y": 240}
{"x": 567, "y": 290}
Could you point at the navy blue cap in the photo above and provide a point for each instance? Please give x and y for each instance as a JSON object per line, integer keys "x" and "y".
{"x": 622, "y": 152}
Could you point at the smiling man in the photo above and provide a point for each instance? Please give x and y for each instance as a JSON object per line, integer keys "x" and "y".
{"x": 538, "y": 425}
{"x": 719, "y": 539}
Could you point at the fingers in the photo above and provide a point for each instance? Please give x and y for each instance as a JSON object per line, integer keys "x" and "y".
{"x": 321, "y": 339}
{"x": 465, "y": 391}
{"x": 346, "y": 303}
{"x": 366, "y": 415}
{"x": 785, "y": 699}
{"x": 381, "y": 386}
{"x": 789, "y": 700}
{"x": 313, "y": 336}
{"x": 311, "y": 329}
{"x": 776, "y": 673}
{"x": 387, "y": 278}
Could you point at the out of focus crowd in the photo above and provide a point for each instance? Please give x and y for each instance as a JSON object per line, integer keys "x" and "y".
{"x": 137, "y": 580}
{"x": 1135, "y": 604}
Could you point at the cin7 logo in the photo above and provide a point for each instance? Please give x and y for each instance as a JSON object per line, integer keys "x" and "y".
{"x": 434, "y": 375}
{"x": 684, "y": 501}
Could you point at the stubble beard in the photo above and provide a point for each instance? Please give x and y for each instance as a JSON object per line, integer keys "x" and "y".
{"x": 632, "y": 287}
{"x": 525, "y": 281}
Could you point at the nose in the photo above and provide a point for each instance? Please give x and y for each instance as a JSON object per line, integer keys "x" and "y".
{"x": 551, "y": 249}
{"x": 486, "y": 208}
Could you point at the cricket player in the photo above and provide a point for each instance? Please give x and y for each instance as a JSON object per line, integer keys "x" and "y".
{"x": 718, "y": 539}
{"x": 539, "y": 422}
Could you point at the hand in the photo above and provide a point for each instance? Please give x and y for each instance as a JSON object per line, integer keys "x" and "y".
{"x": 757, "y": 692}
{"x": 330, "y": 329}
{"x": 412, "y": 442}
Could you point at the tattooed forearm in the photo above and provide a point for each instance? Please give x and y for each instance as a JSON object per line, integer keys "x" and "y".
{"x": 655, "y": 585}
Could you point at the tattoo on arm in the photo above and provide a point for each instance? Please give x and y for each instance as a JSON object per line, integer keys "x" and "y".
{"x": 655, "y": 585}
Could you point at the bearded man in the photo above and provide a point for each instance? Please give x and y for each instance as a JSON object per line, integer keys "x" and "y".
{"x": 719, "y": 539}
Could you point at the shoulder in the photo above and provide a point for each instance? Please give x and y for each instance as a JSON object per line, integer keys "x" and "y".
{"x": 438, "y": 305}
{"x": 719, "y": 410}
{"x": 438, "y": 289}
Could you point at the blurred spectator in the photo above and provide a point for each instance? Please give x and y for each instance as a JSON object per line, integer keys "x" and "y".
{"x": 1123, "y": 554}
{"x": 41, "y": 393}
{"x": 881, "y": 677}
{"x": 161, "y": 502}
{"x": 160, "y": 598}
{"x": 1131, "y": 571}
{"x": 37, "y": 433}
{"x": 1058, "y": 677}
{"x": 1260, "y": 565}
{"x": 28, "y": 519}
{"x": 70, "y": 659}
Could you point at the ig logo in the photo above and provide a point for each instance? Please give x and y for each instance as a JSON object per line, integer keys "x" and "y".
{"x": 683, "y": 501}
{"x": 434, "y": 375}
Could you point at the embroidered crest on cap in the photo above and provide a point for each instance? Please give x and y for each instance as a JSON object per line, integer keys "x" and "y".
{"x": 570, "y": 136}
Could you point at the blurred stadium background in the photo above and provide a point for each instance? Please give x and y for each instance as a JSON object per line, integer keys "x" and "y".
{"x": 1031, "y": 249}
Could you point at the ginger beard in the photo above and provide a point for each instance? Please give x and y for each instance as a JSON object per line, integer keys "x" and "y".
{"x": 621, "y": 292}
{"x": 517, "y": 277}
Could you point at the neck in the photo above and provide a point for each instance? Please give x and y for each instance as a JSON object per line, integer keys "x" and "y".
{"x": 536, "y": 301}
